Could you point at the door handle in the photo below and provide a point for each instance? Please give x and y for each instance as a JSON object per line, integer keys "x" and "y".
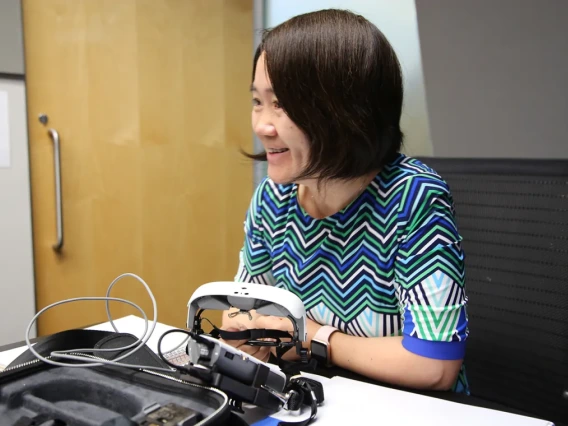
{"x": 58, "y": 195}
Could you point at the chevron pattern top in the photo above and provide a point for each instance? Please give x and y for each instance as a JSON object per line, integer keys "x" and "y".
{"x": 390, "y": 263}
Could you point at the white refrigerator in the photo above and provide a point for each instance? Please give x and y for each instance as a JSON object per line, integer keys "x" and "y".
{"x": 17, "y": 295}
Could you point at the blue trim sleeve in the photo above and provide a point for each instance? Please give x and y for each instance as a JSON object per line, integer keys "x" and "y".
{"x": 269, "y": 421}
{"x": 437, "y": 350}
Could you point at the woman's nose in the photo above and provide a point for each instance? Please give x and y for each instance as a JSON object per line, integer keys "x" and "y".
{"x": 264, "y": 128}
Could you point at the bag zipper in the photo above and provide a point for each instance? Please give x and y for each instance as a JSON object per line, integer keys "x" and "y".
{"x": 155, "y": 373}
{"x": 25, "y": 364}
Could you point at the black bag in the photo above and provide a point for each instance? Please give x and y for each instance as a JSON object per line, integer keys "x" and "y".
{"x": 33, "y": 392}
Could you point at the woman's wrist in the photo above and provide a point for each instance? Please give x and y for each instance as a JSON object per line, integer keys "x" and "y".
{"x": 312, "y": 329}
{"x": 278, "y": 323}
{"x": 336, "y": 341}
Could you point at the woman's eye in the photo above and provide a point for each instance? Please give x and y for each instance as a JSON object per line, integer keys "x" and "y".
{"x": 255, "y": 102}
{"x": 276, "y": 104}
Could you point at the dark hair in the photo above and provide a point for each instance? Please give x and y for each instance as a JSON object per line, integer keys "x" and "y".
{"x": 338, "y": 79}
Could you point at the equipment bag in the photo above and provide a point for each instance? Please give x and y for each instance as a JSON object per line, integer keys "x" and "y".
{"x": 33, "y": 392}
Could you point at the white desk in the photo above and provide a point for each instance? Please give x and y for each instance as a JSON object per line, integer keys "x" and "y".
{"x": 348, "y": 401}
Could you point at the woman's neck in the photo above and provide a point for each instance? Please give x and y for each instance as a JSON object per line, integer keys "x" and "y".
{"x": 331, "y": 196}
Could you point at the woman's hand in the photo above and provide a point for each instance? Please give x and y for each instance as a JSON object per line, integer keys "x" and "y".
{"x": 241, "y": 322}
{"x": 232, "y": 319}
{"x": 284, "y": 324}
{"x": 260, "y": 352}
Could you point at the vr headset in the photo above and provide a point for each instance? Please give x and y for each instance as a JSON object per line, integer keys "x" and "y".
{"x": 243, "y": 377}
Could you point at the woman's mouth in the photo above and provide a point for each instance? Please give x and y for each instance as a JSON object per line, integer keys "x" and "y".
{"x": 277, "y": 150}
{"x": 278, "y": 156}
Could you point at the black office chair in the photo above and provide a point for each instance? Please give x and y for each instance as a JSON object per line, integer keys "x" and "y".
{"x": 513, "y": 217}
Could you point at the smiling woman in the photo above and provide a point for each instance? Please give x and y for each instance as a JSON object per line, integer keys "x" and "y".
{"x": 363, "y": 234}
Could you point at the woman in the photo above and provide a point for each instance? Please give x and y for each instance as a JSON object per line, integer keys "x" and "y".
{"x": 364, "y": 235}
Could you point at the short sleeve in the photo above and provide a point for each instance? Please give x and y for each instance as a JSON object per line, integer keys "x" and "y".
{"x": 430, "y": 271}
{"x": 255, "y": 262}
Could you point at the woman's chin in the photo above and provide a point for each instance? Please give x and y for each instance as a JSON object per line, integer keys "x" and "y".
{"x": 279, "y": 177}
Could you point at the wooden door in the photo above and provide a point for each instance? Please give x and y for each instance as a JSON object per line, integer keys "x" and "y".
{"x": 150, "y": 100}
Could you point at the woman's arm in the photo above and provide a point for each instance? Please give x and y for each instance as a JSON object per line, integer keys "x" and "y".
{"x": 380, "y": 358}
{"x": 385, "y": 359}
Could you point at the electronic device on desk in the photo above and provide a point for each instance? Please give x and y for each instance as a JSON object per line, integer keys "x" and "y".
{"x": 243, "y": 377}
{"x": 265, "y": 300}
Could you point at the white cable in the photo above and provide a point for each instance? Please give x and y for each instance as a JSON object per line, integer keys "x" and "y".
{"x": 98, "y": 363}
{"x": 107, "y": 300}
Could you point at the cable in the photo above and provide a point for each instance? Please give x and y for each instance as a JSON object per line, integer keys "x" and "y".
{"x": 209, "y": 321}
{"x": 107, "y": 300}
{"x": 89, "y": 363}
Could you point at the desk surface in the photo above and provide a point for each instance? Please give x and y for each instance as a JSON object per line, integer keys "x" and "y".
{"x": 348, "y": 401}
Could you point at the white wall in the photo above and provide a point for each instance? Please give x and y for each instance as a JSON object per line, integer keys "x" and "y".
{"x": 397, "y": 20}
{"x": 496, "y": 75}
{"x": 17, "y": 296}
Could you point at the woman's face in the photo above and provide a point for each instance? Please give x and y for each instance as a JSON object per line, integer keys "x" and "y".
{"x": 285, "y": 144}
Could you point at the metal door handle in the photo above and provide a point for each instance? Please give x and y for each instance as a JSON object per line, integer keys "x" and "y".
{"x": 58, "y": 196}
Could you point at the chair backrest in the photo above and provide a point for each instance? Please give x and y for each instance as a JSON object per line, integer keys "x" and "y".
{"x": 513, "y": 217}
